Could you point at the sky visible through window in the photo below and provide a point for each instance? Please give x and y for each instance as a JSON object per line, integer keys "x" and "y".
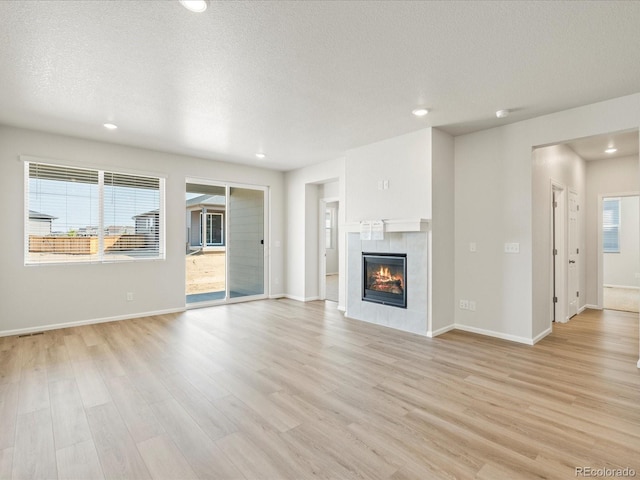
{"x": 75, "y": 204}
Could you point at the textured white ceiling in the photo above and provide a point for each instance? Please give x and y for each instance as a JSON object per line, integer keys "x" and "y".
{"x": 593, "y": 148}
{"x": 303, "y": 81}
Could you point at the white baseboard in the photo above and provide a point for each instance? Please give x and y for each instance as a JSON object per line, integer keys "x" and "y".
{"x": 300, "y": 299}
{"x": 440, "y": 331}
{"x": 491, "y": 333}
{"x": 638, "y": 363}
{"x": 342, "y": 309}
{"x": 55, "y": 326}
{"x": 592, "y": 307}
{"x": 582, "y": 309}
{"x": 632, "y": 287}
{"x": 275, "y": 296}
{"x": 539, "y": 337}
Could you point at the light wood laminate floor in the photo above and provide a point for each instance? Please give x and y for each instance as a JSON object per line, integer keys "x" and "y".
{"x": 284, "y": 390}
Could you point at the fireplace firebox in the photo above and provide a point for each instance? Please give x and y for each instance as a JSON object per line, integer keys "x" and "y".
{"x": 384, "y": 277}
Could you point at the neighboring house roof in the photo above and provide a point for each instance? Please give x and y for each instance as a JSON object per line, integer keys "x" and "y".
{"x": 152, "y": 213}
{"x": 40, "y": 216}
{"x": 201, "y": 200}
{"x": 207, "y": 200}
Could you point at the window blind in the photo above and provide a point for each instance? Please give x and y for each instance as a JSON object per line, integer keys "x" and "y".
{"x": 86, "y": 215}
{"x": 611, "y": 225}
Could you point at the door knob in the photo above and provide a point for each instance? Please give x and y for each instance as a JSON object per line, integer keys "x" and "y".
{"x": 572, "y": 261}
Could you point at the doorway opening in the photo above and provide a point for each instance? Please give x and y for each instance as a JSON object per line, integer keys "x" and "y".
{"x": 226, "y": 228}
{"x": 558, "y": 253}
{"x": 620, "y": 236}
{"x": 329, "y": 249}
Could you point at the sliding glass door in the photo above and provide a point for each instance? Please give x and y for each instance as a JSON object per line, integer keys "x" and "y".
{"x": 225, "y": 242}
{"x": 246, "y": 242}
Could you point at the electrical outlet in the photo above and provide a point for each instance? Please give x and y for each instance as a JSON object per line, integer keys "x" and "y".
{"x": 129, "y": 296}
{"x": 379, "y": 184}
{"x": 472, "y": 305}
{"x": 473, "y": 247}
{"x": 464, "y": 304}
{"x": 385, "y": 184}
{"x": 511, "y": 248}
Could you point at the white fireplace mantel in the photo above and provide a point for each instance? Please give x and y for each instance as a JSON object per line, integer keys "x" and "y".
{"x": 394, "y": 225}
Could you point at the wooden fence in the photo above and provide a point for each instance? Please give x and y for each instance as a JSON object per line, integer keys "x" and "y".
{"x": 84, "y": 245}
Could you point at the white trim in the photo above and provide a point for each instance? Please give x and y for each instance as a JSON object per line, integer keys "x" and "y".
{"x": 393, "y": 225}
{"x": 55, "y": 326}
{"x": 622, "y": 286}
{"x": 558, "y": 277}
{"x": 322, "y": 249}
{"x": 205, "y": 304}
{"x": 300, "y": 299}
{"x": 592, "y": 307}
{"x": 91, "y": 166}
{"x": 581, "y": 309}
{"x": 639, "y": 363}
{"x": 599, "y": 252}
{"x": 275, "y": 296}
{"x": 440, "y": 331}
{"x": 491, "y": 333}
{"x": 341, "y": 309}
{"x": 540, "y": 336}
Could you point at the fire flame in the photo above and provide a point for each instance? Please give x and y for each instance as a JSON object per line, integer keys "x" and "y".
{"x": 383, "y": 275}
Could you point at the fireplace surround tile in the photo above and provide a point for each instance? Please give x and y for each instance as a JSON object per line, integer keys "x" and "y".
{"x": 415, "y": 317}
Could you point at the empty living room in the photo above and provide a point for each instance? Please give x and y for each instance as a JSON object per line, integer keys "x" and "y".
{"x": 283, "y": 240}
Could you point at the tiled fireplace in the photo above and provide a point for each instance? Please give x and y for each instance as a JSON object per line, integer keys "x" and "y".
{"x": 399, "y": 271}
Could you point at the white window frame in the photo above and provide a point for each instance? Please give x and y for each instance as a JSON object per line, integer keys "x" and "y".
{"x": 203, "y": 216}
{"x": 330, "y": 229}
{"x": 100, "y": 257}
{"x": 616, "y": 226}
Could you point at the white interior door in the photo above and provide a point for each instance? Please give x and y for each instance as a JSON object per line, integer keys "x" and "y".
{"x": 573, "y": 256}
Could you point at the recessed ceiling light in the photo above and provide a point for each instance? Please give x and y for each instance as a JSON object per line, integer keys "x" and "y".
{"x": 502, "y": 113}
{"x": 420, "y": 112}
{"x": 611, "y": 150}
{"x": 197, "y": 6}
{"x": 260, "y": 155}
{"x": 110, "y": 126}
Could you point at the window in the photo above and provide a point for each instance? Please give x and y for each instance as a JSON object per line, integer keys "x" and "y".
{"x": 328, "y": 227}
{"x": 214, "y": 229}
{"x": 611, "y": 225}
{"x": 86, "y": 215}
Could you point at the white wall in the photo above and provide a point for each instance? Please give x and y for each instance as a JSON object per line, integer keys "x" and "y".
{"x": 409, "y": 162}
{"x": 620, "y": 268}
{"x": 37, "y": 296}
{"x": 302, "y": 194}
{"x": 442, "y": 300}
{"x": 493, "y": 205}
{"x": 560, "y": 164}
{"x": 311, "y": 255}
{"x": 330, "y": 190}
{"x": 404, "y": 162}
{"x": 605, "y": 177}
